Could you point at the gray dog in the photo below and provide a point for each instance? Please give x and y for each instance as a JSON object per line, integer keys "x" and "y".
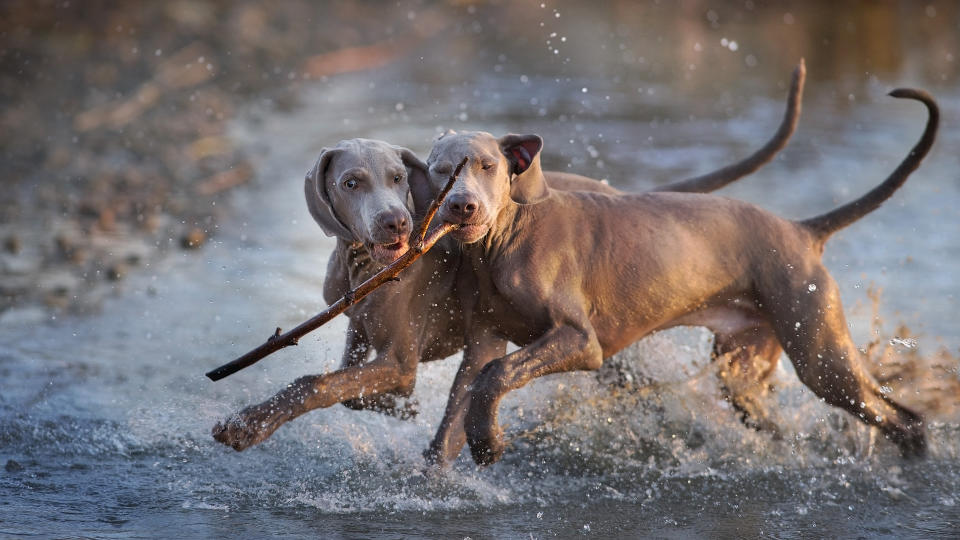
{"x": 357, "y": 191}
{"x": 573, "y": 278}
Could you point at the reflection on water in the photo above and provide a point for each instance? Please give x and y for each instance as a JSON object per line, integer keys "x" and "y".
{"x": 105, "y": 420}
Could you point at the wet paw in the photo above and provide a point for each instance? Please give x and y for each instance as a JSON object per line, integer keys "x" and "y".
{"x": 441, "y": 454}
{"x": 912, "y": 441}
{"x": 244, "y": 429}
{"x": 908, "y": 432}
{"x": 487, "y": 450}
{"x": 434, "y": 457}
{"x": 234, "y": 433}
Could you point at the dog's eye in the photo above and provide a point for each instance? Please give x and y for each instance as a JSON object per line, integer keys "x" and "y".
{"x": 486, "y": 166}
{"x": 350, "y": 183}
{"x": 396, "y": 179}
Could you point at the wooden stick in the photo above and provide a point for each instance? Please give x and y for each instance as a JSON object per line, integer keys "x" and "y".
{"x": 421, "y": 244}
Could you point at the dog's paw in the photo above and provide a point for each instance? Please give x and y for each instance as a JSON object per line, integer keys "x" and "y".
{"x": 434, "y": 458}
{"x": 907, "y": 430}
{"x": 440, "y": 455}
{"x": 911, "y": 440}
{"x": 431, "y": 456}
{"x": 487, "y": 450}
{"x": 234, "y": 433}
{"x": 246, "y": 428}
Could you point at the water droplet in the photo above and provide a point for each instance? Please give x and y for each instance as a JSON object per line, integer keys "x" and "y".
{"x": 909, "y": 343}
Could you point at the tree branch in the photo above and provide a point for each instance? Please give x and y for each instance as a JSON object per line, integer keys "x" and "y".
{"x": 421, "y": 244}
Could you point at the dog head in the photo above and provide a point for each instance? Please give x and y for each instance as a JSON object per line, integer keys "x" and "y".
{"x": 499, "y": 172}
{"x": 357, "y": 190}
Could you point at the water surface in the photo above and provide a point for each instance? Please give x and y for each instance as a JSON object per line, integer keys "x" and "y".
{"x": 104, "y": 420}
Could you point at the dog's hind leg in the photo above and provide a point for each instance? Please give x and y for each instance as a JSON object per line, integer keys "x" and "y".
{"x": 808, "y": 319}
{"x": 746, "y": 351}
{"x": 747, "y": 358}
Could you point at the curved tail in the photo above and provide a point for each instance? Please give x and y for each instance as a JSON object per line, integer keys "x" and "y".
{"x": 826, "y": 224}
{"x": 721, "y": 177}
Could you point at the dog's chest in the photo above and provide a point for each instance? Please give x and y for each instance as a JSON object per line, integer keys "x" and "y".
{"x": 496, "y": 305}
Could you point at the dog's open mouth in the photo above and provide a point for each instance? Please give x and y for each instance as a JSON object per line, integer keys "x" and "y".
{"x": 469, "y": 232}
{"x": 387, "y": 253}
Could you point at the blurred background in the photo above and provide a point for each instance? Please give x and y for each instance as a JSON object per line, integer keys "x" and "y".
{"x": 114, "y": 116}
{"x": 152, "y": 227}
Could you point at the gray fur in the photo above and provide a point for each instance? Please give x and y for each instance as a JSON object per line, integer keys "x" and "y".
{"x": 419, "y": 318}
{"x": 574, "y": 277}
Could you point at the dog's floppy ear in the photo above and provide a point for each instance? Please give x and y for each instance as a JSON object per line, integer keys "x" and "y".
{"x": 527, "y": 184}
{"x": 418, "y": 179}
{"x": 315, "y": 188}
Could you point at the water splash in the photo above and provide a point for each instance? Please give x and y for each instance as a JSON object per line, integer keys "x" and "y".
{"x": 108, "y": 417}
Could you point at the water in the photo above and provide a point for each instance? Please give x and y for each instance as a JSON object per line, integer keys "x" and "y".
{"x": 104, "y": 420}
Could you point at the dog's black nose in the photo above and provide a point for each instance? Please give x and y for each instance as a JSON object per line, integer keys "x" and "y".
{"x": 462, "y": 205}
{"x": 394, "y": 221}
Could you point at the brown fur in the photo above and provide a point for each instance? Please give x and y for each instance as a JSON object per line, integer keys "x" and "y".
{"x": 574, "y": 277}
{"x": 418, "y": 319}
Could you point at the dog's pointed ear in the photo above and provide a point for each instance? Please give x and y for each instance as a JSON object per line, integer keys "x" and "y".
{"x": 444, "y": 134}
{"x": 318, "y": 201}
{"x": 527, "y": 184}
{"x": 418, "y": 178}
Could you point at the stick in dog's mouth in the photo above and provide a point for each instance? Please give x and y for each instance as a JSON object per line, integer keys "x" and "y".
{"x": 387, "y": 253}
{"x": 422, "y": 242}
{"x": 469, "y": 232}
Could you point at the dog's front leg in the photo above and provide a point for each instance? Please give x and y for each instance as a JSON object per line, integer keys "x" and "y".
{"x": 257, "y": 422}
{"x": 355, "y": 353}
{"x": 563, "y": 348}
{"x": 481, "y": 347}
{"x": 356, "y": 349}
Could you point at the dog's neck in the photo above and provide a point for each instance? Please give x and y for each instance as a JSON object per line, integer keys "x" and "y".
{"x": 359, "y": 263}
{"x": 506, "y": 227}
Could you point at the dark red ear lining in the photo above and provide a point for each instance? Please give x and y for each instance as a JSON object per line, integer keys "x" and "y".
{"x": 523, "y": 158}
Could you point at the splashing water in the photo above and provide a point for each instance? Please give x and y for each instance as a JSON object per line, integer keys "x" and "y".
{"x": 105, "y": 420}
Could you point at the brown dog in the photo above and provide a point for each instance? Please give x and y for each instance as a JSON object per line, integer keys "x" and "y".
{"x": 357, "y": 192}
{"x": 574, "y": 277}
